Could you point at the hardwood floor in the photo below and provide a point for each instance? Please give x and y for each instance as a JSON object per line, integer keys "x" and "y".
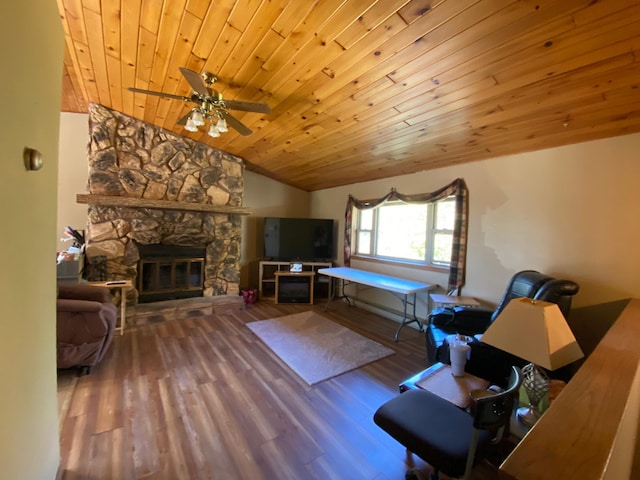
{"x": 203, "y": 398}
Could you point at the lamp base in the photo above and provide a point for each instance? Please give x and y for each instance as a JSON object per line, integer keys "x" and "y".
{"x": 528, "y": 415}
{"x": 535, "y": 383}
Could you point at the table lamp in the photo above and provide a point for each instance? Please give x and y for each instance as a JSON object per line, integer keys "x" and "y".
{"x": 537, "y": 332}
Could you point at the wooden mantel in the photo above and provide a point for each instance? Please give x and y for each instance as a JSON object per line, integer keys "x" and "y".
{"x": 591, "y": 431}
{"x": 113, "y": 201}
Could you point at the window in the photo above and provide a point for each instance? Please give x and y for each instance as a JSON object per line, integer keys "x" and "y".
{"x": 446, "y": 226}
{"x": 421, "y": 234}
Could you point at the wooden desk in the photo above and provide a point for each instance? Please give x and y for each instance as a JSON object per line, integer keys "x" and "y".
{"x": 123, "y": 285}
{"x": 439, "y": 380}
{"x": 405, "y": 290}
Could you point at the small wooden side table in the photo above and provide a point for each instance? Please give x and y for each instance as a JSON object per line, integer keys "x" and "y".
{"x": 123, "y": 285}
{"x": 453, "y": 300}
{"x": 309, "y": 280}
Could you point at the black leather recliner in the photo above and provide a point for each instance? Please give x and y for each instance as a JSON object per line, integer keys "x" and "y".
{"x": 486, "y": 361}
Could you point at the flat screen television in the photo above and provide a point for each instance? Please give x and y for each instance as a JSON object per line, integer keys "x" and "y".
{"x": 305, "y": 239}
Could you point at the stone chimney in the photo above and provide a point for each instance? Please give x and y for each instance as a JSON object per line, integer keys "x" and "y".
{"x": 148, "y": 186}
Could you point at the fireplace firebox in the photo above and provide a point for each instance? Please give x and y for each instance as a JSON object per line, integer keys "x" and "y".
{"x": 169, "y": 272}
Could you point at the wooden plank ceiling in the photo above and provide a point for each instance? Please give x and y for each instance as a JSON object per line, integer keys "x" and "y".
{"x": 365, "y": 89}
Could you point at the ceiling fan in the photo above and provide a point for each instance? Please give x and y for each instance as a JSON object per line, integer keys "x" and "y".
{"x": 210, "y": 105}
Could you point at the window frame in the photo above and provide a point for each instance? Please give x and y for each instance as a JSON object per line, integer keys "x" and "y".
{"x": 430, "y": 230}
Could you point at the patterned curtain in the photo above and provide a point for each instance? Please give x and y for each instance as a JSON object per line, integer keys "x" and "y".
{"x": 458, "y": 189}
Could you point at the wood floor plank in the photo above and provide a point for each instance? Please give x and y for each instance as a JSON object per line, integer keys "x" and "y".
{"x": 236, "y": 441}
{"x": 203, "y": 398}
{"x": 142, "y": 417}
{"x": 175, "y": 459}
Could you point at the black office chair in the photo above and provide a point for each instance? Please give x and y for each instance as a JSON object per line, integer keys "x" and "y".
{"x": 445, "y": 321}
{"x": 449, "y": 438}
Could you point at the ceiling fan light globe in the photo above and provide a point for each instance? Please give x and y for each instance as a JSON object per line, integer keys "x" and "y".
{"x": 213, "y": 131}
{"x": 222, "y": 125}
{"x": 197, "y": 118}
{"x": 191, "y": 126}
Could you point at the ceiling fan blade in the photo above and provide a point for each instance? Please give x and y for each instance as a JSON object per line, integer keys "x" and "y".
{"x": 195, "y": 80}
{"x": 159, "y": 94}
{"x": 236, "y": 124}
{"x": 183, "y": 120}
{"x": 247, "y": 106}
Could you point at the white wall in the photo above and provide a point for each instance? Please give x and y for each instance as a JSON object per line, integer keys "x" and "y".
{"x": 31, "y": 55}
{"x": 72, "y": 173}
{"x": 572, "y": 212}
{"x": 265, "y": 198}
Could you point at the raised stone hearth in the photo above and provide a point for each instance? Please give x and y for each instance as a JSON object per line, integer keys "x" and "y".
{"x": 138, "y": 162}
{"x": 169, "y": 310}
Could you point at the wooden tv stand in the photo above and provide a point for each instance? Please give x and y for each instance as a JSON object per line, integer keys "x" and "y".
{"x": 267, "y": 278}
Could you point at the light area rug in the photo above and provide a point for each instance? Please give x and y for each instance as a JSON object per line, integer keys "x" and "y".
{"x": 315, "y": 347}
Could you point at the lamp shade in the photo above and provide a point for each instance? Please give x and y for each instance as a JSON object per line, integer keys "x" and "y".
{"x": 535, "y": 331}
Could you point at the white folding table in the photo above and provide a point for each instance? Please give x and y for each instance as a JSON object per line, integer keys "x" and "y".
{"x": 403, "y": 289}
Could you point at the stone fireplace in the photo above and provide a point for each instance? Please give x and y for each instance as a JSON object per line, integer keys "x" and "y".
{"x": 150, "y": 187}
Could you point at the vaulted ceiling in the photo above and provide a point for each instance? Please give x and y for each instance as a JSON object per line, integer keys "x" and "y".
{"x": 365, "y": 89}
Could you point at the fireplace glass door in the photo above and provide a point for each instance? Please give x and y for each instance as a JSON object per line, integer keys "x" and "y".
{"x": 168, "y": 277}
